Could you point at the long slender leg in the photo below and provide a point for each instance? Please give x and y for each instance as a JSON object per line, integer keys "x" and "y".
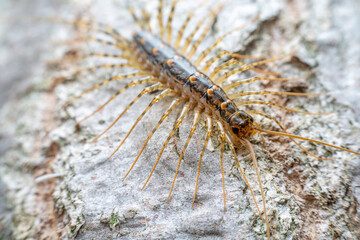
{"x": 135, "y": 18}
{"x": 220, "y": 39}
{"x": 236, "y": 83}
{"x": 247, "y": 67}
{"x": 284, "y": 130}
{"x": 247, "y": 144}
{"x": 102, "y": 66}
{"x": 197, "y": 113}
{"x": 240, "y": 103}
{"x": 146, "y": 18}
{"x": 127, "y": 86}
{"x": 232, "y": 96}
{"x": 228, "y": 140}
{"x": 117, "y": 45}
{"x": 166, "y": 114}
{"x": 160, "y": 18}
{"x": 183, "y": 113}
{"x": 163, "y": 94}
{"x": 147, "y": 90}
{"x": 195, "y": 46}
{"x": 168, "y": 25}
{"x": 213, "y": 14}
{"x": 209, "y": 124}
{"x": 104, "y": 55}
{"x": 222, "y": 53}
{"x": 96, "y": 86}
{"x": 222, "y": 135}
{"x": 185, "y": 24}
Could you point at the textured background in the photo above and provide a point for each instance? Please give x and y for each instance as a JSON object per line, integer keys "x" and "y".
{"x": 306, "y": 198}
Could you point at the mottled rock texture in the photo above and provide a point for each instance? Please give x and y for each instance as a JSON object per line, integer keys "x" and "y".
{"x": 85, "y": 197}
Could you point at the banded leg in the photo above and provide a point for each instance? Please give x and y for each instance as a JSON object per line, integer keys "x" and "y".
{"x": 117, "y": 45}
{"x": 209, "y": 124}
{"x": 222, "y": 135}
{"x": 232, "y": 96}
{"x": 147, "y": 90}
{"x": 185, "y": 24}
{"x": 220, "y": 39}
{"x": 96, "y": 86}
{"x": 166, "y": 114}
{"x": 236, "y": 83}
{"x": 212, "y": 60}
{"x": 135, "y": 18}
{"x": 146, "y": 18}
{"x": 247, "y": 67}
{"x": 240, "y": 103}
{"x": 228, "y": 140}
{"x": 160, "y": 18}
{"x": 197, "y": 113}
{"x": 166, "y": 92}
{"x": 195, "y": 46}
{"x": 102, "y": 66}
{"x": 198, "y": 26}
{"x": 247, "y": 144}
{"x": 183, "y": 113}
{"x": 169, "y": 22}
{"x": 127, "y": 86}
{"x": 104, "y": 55}
{"x": 284, "y": 130}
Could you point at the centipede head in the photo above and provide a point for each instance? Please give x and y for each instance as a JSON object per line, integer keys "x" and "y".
{"x": 242, "y": 124}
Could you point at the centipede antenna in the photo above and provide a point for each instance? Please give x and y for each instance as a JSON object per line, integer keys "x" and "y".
{"x": 146, "y": 18}
{"x": 96, "y": 86}
{"x": 197, "y": 113}
{"x": 222, "y": 135}
{"x": 220, "y": 39}
{"x": 185, "y": 24}
{"x": 247, "y": 144}
{"x": 160, "y": 18}
{"x": 284, "y": 130}
{"x": 213, "y": 14}
{"x": 240, "y": 103}
{"x": 209, "y": 124}
{"x": 248, "y": 66}
{"x": 180, "y": 119}
{"x": 236, "y": 83}
{"x": 228, "y": 140}
{"x": 305, "y": 139}
{"x": 166, "y": 114}
{"x": 146, "y": 90}
{"x": 127, "y": 86}
{"x": 232, "y": 96}
{"x": 169, "y": 22}
{"x": 157, "y": 98}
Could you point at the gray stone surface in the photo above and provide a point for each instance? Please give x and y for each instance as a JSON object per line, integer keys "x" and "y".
{"x": 84, "y": 195}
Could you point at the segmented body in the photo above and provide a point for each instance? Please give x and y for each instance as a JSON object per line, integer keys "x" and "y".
{"x": 178, "y": 73}
{"x": 171, "y": 71}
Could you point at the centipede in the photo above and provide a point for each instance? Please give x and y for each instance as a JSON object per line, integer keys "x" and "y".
{"x": 167, "y": 64}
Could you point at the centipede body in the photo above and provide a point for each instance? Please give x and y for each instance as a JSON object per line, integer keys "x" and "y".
{"x": 164, "y": 60}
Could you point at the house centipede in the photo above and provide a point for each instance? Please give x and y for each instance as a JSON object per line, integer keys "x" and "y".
{"x": 167, "y": 65}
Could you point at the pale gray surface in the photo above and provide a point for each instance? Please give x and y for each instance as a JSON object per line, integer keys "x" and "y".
{"x": 306, "y": 198}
